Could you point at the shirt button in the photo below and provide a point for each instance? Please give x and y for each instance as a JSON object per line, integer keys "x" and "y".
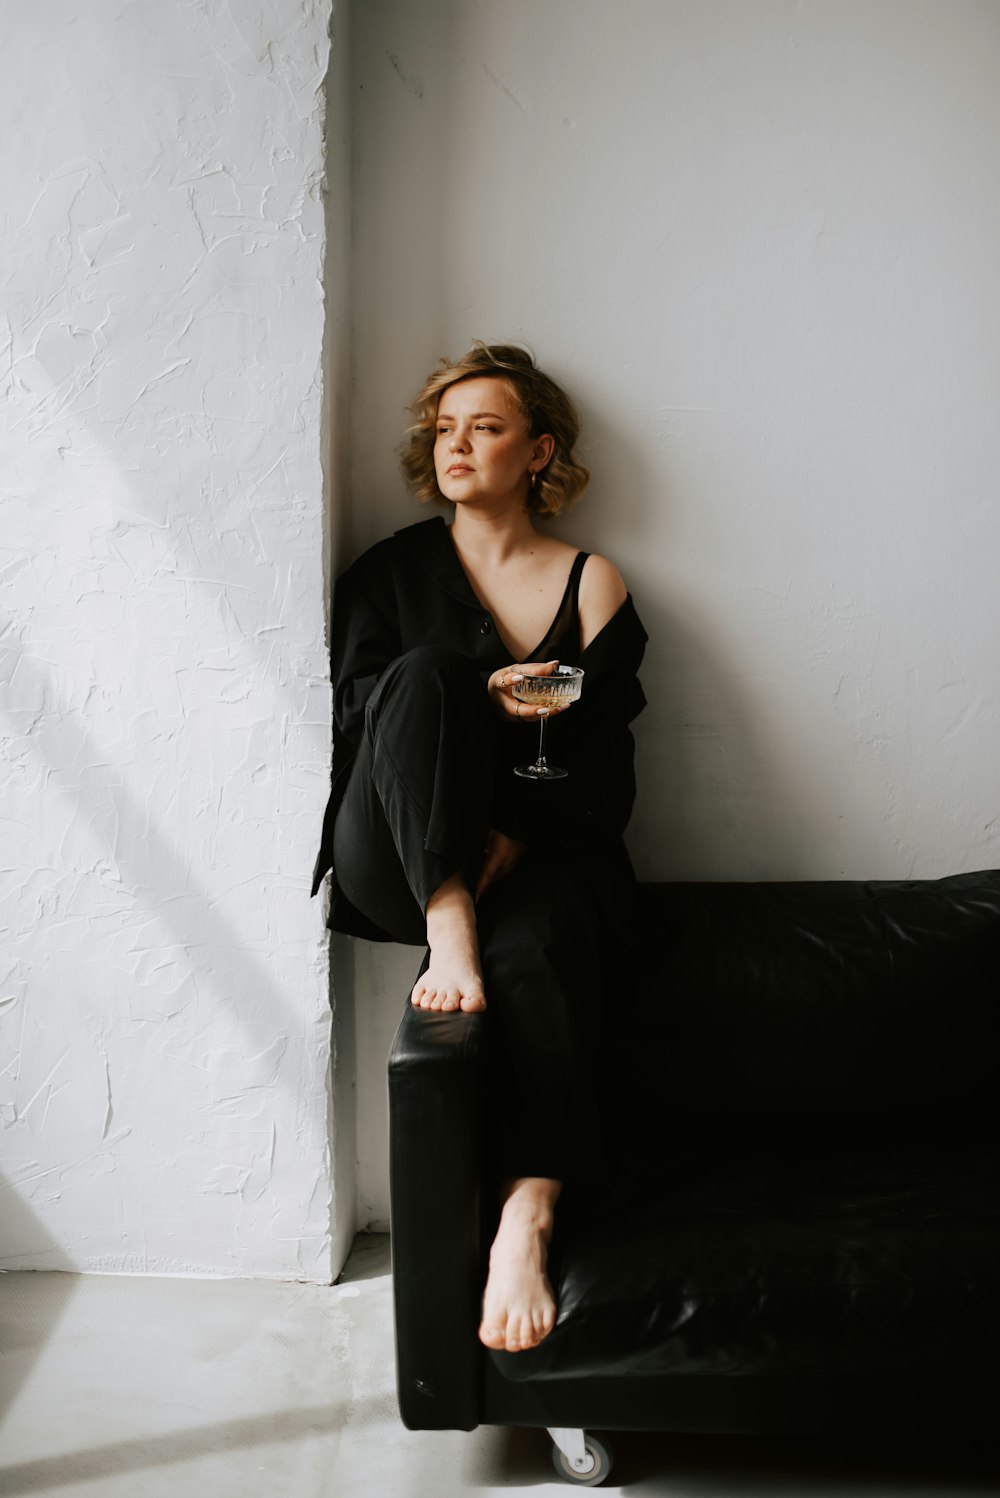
{"x": 485, "y": 627}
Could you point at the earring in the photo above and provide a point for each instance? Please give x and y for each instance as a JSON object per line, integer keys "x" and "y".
{"x": 533, "y": 478}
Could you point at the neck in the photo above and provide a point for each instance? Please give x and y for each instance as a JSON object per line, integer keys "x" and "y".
{"x": 492, "y": 536}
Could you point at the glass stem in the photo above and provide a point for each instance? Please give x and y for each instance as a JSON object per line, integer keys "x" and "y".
{"x": 541, "y": 739}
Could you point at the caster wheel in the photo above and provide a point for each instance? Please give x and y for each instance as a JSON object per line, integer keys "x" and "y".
{"x": 599, "y": 1457}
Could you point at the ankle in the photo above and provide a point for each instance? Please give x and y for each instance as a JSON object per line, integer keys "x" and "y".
{"x": 449, "y": 909}
{"x": 530, "y": 1204}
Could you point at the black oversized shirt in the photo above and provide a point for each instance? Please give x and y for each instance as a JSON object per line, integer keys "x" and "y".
{"x": 411, "y": 589}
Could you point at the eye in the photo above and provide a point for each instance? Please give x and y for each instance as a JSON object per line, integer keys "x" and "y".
{"x": 485, "y": 429}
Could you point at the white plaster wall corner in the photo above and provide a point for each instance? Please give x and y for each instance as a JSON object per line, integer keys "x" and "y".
{"x": 165, "y": 676}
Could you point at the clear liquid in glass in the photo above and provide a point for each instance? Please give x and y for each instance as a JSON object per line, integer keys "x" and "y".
{"x": 563, "y": 685}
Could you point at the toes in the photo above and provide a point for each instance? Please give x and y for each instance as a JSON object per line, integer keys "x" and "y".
{"x": 520, "y": 1335}
{"x": 450, "y": 999}
{"x": 517, "y": 1333}
{"x": 543, "y": 1321}
{"x": 492, "y": 1336}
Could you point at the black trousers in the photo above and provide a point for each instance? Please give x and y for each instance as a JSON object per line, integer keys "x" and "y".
{"x": 416, "y": 809}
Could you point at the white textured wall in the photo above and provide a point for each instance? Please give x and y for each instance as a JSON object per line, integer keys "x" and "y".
{"x": 165, "y": 702}
{"x": 759, "y": 240}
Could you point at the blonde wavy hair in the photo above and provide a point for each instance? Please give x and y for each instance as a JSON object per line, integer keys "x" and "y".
{"x": 545, "y": 406}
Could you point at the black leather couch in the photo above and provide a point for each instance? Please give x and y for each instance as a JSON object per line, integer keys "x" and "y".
{"x": 805, "y": 1234}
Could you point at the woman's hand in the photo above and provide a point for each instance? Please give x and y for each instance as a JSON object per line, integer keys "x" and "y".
{"x": 500, "y": 687}
{"x": 503, "y": 853}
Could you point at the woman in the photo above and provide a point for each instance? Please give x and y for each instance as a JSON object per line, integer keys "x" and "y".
{"x": 522, "y": 890}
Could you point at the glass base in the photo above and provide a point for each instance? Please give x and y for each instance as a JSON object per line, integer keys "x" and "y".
{"x": 540, "y": 772}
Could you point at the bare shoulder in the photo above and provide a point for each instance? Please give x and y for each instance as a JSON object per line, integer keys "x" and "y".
{"x": 602, "y": 593}
{"x": 552, "y": 548}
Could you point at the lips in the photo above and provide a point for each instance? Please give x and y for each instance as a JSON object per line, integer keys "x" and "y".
{"x": 459, "y": 468}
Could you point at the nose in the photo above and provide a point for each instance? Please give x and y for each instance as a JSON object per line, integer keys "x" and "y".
{"x": 459, "y": 442}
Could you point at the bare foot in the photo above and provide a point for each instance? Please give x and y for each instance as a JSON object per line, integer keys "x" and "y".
{"x": 519, "y": 1309}
{"x": 454, "y": 978}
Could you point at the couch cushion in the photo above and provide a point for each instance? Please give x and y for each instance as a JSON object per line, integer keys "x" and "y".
{"x": 857, "y": 1258}
{"x": 827, "y": 1003}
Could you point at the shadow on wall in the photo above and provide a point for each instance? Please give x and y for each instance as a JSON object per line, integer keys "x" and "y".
{"x": 27, "y": 1322}
{"x": 714, "y": 801}
{"x": 95, "y": 507}
{"x": 177, "y": 946}
{"x": 157, "y": 877}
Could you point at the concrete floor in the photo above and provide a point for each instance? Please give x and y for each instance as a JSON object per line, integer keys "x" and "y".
{"x": 113, "y": 1386}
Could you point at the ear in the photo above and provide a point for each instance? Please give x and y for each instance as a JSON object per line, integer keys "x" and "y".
{"x": 543, "y": 449}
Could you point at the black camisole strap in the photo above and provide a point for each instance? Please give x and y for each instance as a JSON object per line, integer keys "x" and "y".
{"x": 573, "y": 586}
{"x": 563, "y": 639}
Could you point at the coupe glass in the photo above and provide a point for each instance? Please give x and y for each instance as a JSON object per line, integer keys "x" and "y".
{"x": 564, "y": 685}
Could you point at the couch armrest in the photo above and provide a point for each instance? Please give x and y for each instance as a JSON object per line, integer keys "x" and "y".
{"x": 435, "y": 1135}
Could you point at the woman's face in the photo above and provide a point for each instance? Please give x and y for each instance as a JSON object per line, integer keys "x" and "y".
{"x": 482, "y": 451}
